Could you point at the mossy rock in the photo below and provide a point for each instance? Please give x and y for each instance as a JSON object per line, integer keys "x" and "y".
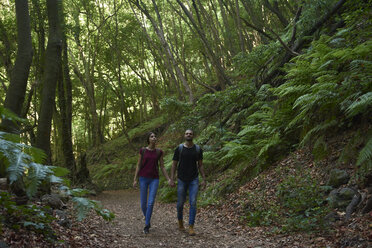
{"x": 337, "y": 178}
{"x": 341, "y": 198}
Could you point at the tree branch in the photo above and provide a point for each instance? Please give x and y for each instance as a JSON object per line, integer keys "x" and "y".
{"x": 283, "y": 44}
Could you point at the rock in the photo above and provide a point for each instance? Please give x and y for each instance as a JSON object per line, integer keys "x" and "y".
{"x": 3, "y": 184}
{"x": 52, "y": 200}
{"x": 353, "y": 205}
{"x": 63, "y": 220}
{"x": 62, "y": 193}
{"x": 337, "y": 178}
{"x": 341, "y": 198}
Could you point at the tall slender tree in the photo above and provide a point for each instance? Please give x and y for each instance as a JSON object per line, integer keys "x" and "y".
{"x": 51, "y": 72}
{"x": 19, "y": 76}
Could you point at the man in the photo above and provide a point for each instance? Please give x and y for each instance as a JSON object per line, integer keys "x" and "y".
{"x": 189, "y": 158}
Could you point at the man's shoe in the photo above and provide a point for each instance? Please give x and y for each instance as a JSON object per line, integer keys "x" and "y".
{"x": 180, "y": 225}
{"x": 146, "y": 230}
{"x": 191, "y": 230}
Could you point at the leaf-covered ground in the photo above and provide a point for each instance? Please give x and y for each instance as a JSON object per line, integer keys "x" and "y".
{"x": 215, "y": 227}
{"x": 218, "y": 225}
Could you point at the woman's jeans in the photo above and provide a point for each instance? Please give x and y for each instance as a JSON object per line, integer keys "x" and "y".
{"x": 148, "y": 186}
{"x": 182, "y": 188}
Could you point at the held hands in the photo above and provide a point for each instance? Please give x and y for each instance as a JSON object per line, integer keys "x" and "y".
{"x": 171, "y": 182}
{"x": 203, "y": 185}
{"x": 134, "y": 183}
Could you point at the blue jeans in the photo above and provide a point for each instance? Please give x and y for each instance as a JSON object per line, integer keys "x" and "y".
{"x": 148, "y": 186}
{"x": 182, "y": 188}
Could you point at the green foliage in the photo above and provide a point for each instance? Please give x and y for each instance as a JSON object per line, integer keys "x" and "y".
{"x": 29, "y": 216}
{"x": 259, "y": 212}
{"x": 328, "y": 88}
{"x": 84, "y": 205}
{"x": 226, "y": 184}
{"x": 303, "y": 200}
{"x": 174, "y": 108}
{"x": 366, "y": 153}
{"x": 20, "y": 166}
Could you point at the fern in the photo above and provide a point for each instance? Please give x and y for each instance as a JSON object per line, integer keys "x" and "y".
{"x": 84, "y": 205}
{"x": 9, "y": 115}
{"x": 267, "y": 143}
{"x": 318, "y": 129}
{"x": 35, "y": 175}
{"x": 365, "y": 154}
{"x": 361, "y": 104}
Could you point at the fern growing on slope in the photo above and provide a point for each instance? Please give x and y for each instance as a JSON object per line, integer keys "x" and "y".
{"x": 20, "y": 162}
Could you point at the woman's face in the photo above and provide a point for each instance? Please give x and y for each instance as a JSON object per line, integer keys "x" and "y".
{"x": 152, "y": 138}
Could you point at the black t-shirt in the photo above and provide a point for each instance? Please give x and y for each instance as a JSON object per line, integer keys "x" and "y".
{"x": 187, "y": 168}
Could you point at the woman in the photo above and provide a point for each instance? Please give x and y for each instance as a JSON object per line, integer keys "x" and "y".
{"x": 148, "y": 172}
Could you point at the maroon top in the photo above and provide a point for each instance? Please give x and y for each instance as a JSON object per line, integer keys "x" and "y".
{"x": 149, "y": 166}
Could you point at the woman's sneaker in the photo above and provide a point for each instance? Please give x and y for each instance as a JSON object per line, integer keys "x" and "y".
{"x": 146, "y": 230}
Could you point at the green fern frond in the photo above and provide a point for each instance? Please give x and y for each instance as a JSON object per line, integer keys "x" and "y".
{"x": 366, "y": 153}
{"x": 247, "y": 130}
{"x": 38, "y": 155}
{"x": 359, "y": 64}
{"x": 9, "y": 115}
{"x": 236, "y": 152}
{"x": 304, "y": 100}
{"x": 318, "y": 129}
{"x": 82, "y": 206}
{"x": 361, "y": 104}
{"x": 17, "y": 165}
{"x": 287, "y": 89}
{"x": 35, "y": 175}
{"x": 267, "y": 143}
{"x": 296, "y": 121}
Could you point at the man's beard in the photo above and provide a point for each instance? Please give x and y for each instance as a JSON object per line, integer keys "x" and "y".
{"x": 188, "y": 139}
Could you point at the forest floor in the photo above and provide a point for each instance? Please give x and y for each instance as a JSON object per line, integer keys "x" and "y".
{"x": 215, "y": 227}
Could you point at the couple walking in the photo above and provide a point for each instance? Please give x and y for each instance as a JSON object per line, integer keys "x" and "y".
{"x": 188, "y": 159}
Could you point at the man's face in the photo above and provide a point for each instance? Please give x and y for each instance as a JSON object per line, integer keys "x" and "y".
{"x": 189, "y": 135}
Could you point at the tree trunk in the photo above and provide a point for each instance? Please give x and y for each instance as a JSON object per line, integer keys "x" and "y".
{"x": 277, "y": 12}
{"x": 163, "y": 57}
{"x": 168, "y": 53}
{"x": 65, "y": 106}
{"x": 5, "y": 54}
{"x": 17, "y": 88}
{"x": 221, "y": 75}
{"x": 239, "y": 26}
{"x": 52, "y": 69}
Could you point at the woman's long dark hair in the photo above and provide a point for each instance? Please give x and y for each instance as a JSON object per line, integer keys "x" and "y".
{"x": 148, "y": 137}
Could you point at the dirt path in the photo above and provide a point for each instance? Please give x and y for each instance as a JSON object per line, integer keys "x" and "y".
{"x": 129, "y": 222}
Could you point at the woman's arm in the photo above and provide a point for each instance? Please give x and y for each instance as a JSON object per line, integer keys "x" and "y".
{"x": 137, "y": 171}
{"x": 161, "y": 161}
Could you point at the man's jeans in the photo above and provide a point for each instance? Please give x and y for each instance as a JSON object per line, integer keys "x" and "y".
{"x": 182, "y": 188}
{"x": 148, "y": 186}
